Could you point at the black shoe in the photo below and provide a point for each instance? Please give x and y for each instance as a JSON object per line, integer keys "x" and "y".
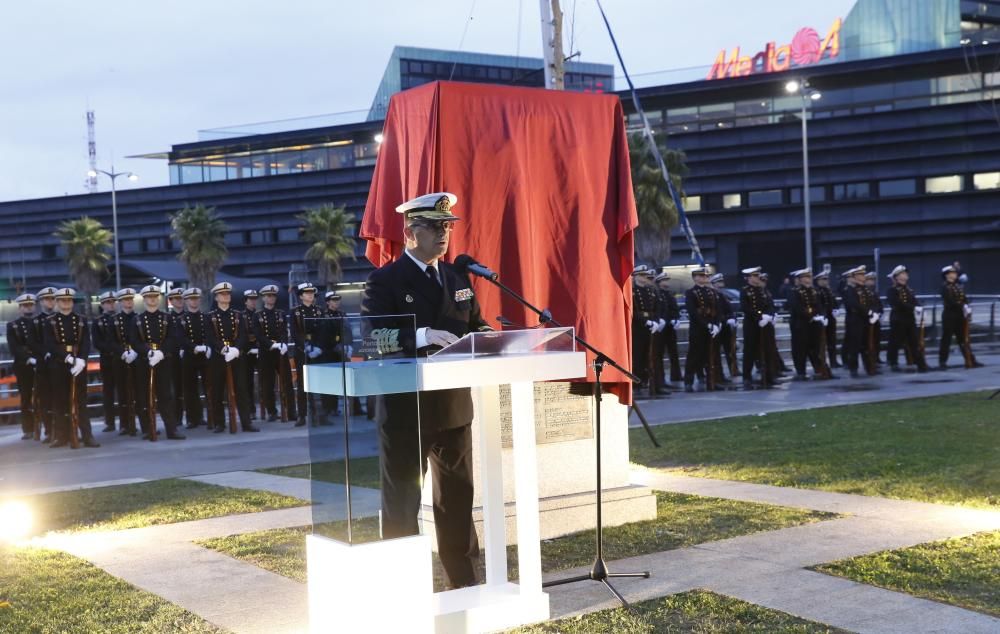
{"x": 977, "y": 364}
{"x": 124, "y": 432}
{"x": 300, "y": 422}
{"x": 250, "y": 428}
{"x": 800, "y": 377}
{"x": 27, "y": 436}
{"x": 836, "y": 364}
{"x": 90, "y": 442}
{"x": 58, "y": 443}
{"x": 108, "y": 429}
{"x": 855, "y": 375}
{"x": 176, "y": 436}
{"x": 271, "y": 418}
{"x": 145, "y": 436}
{"x": 747, "y": 385}
{"x": 688, "y": 388}
{"x": 191, "y": 426}
{"x": 943, "y": 367}
{"x": 923, "y": 369}
{"x": 133, "y": 433}
{"x": 894, "y": 368}
{"x": 219, "y": 429}
{"x": 46, "y": 440}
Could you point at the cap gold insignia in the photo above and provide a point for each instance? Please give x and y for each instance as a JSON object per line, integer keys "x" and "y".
{"x": 443, "y": 204}
{"x": 409, "y": 299}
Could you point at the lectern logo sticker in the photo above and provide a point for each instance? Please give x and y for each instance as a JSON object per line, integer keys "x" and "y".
{"x": 409, "y": 299}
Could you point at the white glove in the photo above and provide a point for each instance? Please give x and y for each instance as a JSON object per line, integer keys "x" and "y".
{"x": 208, "y": 352}
{"x": 826, "y": 322}
{"x": 967, "y": 310}
{"x": 873, "y": 317}
{"x": 276, "y": 346}
{"x": 918, "y": 311}
{"x": 762, "y": 321}
{"x": 155, "y": 356}
{"x": 181, "y": 353}
{"x": 820, "y": 319}
{"x": 715, "y": 329}
{"x": 732, "y": 322}
{"x": 284, "y": 348}
{"x": 230, "y": 353}
{"x": 650, "y": 325}
{"x": 254, "y": 351}
{"x": 32, "y": 360}
{"x": 78, "y": 366}
{"x": 439, "y": 337}
{"x": 201, "y": 349}
{"x": 675, "y": 323}
{"x": 660, "y": 325}
{"x": 130, "y": 356}
{"x": 314, "y": 352}
{"x": 69, "y": 359}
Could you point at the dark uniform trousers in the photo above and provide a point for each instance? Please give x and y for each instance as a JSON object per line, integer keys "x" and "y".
{"x": 43, "y": 378}
{"x": 441, "y": 434}
{"x": 19, "y": 337}
{"x": 72, "y": 338}
{"x": 668, "y": 343}
{"x": 271, "y": 326}
{"x": 953, "y": 322}
{"x": 154, "y": 385}
{"x": 903, "y": 329}
{"x": 228, "y": 328}
{"x": 177, "y": 375}
{"x": 194, "y": 375}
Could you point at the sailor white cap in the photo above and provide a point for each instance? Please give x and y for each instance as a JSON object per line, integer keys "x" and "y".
{"x": 65, "y": 293}
{"x": 107, "y": 296}
{"x": 270, "y": 289}
{"x": 25, "y": 298}
{"x": 194, "y": 291}
{"x": 222, "y": 287}
{"x": 149, "y": 291}
{"x": 436, "y": 206}
{"x": 803, "y": 272}
{"x": 755, "y": 270}
{"x": 125, "y": 293}
{"x": 896, "y": 271}
{"x": 47, "y": 292}
{"x": 305, "y": 287}
{"x": 175, "y": 292}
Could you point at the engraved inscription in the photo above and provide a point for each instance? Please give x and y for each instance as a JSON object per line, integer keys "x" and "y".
{"x": 559, "y": 415}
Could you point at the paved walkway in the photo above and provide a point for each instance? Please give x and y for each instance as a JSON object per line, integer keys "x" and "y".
{"x": 764, "y": 568}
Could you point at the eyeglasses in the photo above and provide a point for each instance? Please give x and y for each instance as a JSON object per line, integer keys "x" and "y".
{"x": 437, "y": 226}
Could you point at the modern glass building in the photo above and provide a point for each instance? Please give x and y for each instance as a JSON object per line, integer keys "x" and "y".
{"x": 904, "y": 156}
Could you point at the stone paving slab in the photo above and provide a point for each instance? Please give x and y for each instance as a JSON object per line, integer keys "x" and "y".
{"x": 364, "y": 501}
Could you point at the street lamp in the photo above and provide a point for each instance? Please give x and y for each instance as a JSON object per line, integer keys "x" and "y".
{"x": 113, "y": 175}
{"x": 808, "y": 94}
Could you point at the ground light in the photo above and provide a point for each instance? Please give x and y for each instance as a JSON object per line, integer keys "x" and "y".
{"x": 15, "y": 521}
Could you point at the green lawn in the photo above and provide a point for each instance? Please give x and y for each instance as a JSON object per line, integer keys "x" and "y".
{"x": 682, "y": 520}
{"x": 964, "y": 571}
{"x": 45, "y": 591}
{"x": 694, "y": 611}
{"x": 364, "y": 472}
{"x": 942, "y": 449}
{"x": 147, "y": 504}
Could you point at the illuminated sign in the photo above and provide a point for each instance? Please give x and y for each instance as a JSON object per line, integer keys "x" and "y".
{"x": 806, "y": 48}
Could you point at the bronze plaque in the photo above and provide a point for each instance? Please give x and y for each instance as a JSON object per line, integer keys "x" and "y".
{"x": 559, "y": 415}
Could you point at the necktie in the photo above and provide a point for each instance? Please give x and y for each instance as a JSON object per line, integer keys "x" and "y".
{"x": 432, "y": 273}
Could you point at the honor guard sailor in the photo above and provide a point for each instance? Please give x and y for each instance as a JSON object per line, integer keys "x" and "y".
{"x": 857, "y": 322}
{"x": 43, "y": 379}
{"x": 103, "y": 335}
{"x": 704, "y": 327}
{"x": 829, "y": 301}
{"x": 174, "y": 310}
{"x": 445, "y": 309}
{"x": 20, "y": 332}
{"x": 758, "y": 331}
{"x": 906, "y": 322}
{"x": 192, "y": 328}
{"x": 306, "y": 333}
{"x": 808, "y": 325}
{"x": 227, "y": 336}
{"x": 648, "y": 320}
{"x": 154, "y": 343}
{"x": 727, "y": 338}
{"x": 67, "y": 342}
{"x": 955, "y": 319}
{"x": 672, "y": 316}
{"x": 272, "y": 335}
{"x": 253, "y": 350}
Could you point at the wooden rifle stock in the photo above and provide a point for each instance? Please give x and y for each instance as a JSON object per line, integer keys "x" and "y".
{"x": 710, "y": 370}
{"x": 230, "y": 396}
{"x": 282, "y": 394}
{"x": 74, "y": 412}
{"x": 36, "y": 403}
{"x": 152, "y": 403}
{"x": 970, "y": 361}
{"x": 734, "y": 370}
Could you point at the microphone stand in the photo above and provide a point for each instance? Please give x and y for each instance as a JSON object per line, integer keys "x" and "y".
{"x": 599, "y": 571}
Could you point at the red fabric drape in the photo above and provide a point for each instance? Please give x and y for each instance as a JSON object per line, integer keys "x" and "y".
{"x": 544, "y": 192}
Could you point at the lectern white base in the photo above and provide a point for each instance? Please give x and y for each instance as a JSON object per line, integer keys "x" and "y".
{"x": 394, "y": 575}
{"x": 488, "y": 609}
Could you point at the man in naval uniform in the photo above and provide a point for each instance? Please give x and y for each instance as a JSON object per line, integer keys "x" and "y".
{"x": 727, "y": 338}
{"x": 306, "y": 328}
{"x": 227, "y": 337}
{"x": 20, "y": 332}
{"x": 829, "y": 301}
{"x": 904, "y": 321}
{"x": 702, "y": 303}
{"x": 808, "y": 325}
{"x": 955, "y": 318}
{"x": 153, "y": 340}
{"x": 271, "y": 325}
{"x": 191, "y": 328}
{"x": 672, "y": 316}
{"x": 758, "y": 331}
{"x": 647, "y": 321}
{"x": 445, "y": 309}
{"x": 103, "y": 336}
{"x": 43, "y": 389}
{"x": 858, "y": 320}
{"x": 126, "y": 362}
{"x": 67, "y": 344}
{"x": 253, "y": 350}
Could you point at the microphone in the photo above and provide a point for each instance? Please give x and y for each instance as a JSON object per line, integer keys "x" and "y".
{"x": 468, "y": 263}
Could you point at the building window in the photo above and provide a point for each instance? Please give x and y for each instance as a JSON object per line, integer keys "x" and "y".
{"x": 235, "y": 239}
{"x": 898, "y": 187}
{"x": 986, "y": 180}
{"x": 943, "y": 184}
{"x": 288, "y": 234}
{"x": 131, "y": 246}
{"x": 817, "y": 194}
{"x": 158, "y": 244}
{"x": 851, "y": 191}
{"x": 765, "y": 198}
{"x": 692, "y": 203}
{"x": 732, "y": 201}
{"x": 260, "y": 236}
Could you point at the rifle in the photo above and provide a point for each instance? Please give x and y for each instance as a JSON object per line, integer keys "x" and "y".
{"x": 74, "y": 411}
{"x": 710, "y": 371}
{"x": 130, "y": 396}
{"x": 920, "y": 340}
{"x": 283, "y": 396}
{"x": 151, "y": 410}
{"x": 765, "y": 371}
{"x": 970, "y": 361}
{"x": 734, "y": 370}
{"x": 230, "y": 396}
{"x": 824, "y": 367}
{"x": 36, "y": 400}
{"x": 260, "y": 386}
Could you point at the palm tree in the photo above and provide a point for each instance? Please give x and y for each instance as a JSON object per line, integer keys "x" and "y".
{"x": 202, "y": 233}
{"x": 329, "y": 230}
{"x": 657, "y": 212}
{"x": 87, "y": 243}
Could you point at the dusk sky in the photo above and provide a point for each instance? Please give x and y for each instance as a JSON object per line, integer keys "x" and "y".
{"x": 157, "y": 72}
